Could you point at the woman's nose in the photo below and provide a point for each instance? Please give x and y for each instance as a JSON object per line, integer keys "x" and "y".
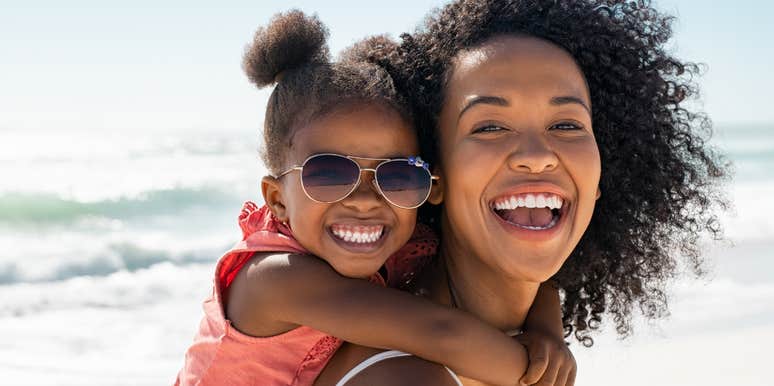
{"x": 533, "y": 154}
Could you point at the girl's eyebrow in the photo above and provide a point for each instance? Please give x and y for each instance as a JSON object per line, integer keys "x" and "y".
{"x": 568, "y": 99}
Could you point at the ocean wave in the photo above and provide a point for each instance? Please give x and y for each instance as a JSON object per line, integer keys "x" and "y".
{"x": 117, "y": 257}
{"x": 121, "y": 290}
{"x": 41, "y": 208}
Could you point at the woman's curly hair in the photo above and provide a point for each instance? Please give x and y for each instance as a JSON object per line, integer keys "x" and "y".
{"x": 659, "y": 176}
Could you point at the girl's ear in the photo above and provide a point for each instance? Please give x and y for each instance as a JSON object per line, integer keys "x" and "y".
{"x": 272, "y": 195}
{"x": 436, "y": 189}
{"x": 599, "y": 192}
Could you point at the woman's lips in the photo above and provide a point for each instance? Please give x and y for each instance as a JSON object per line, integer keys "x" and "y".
{"x": 537, "y": 216}
{"x": 534, "y": 219}
{"x": 534, "y": 211}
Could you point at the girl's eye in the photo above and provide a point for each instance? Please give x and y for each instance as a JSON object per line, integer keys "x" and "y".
{"x": 488, "y": 129}
{"x": 566, "y": 126}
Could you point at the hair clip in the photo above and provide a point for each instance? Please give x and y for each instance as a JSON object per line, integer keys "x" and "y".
{"x": 418, "y": 162}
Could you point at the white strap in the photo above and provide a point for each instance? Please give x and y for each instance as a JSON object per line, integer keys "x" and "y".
{"x": 454, "y": 376}
{"x": 378, "y": 358}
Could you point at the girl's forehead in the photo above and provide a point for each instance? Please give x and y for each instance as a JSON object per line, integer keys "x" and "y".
{"x": 368, "y": 131}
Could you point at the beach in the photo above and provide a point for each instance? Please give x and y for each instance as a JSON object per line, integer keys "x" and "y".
{"x": 109, "y": 247}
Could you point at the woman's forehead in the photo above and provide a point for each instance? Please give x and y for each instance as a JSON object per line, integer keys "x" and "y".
{"x": 508, "y": 63}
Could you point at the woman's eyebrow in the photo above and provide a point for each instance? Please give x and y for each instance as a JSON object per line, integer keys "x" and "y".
{"x": 482, "y": 99}
{"x": 568, "y": 99}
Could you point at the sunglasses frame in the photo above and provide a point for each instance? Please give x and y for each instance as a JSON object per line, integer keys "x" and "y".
{"x": 416, "y": 161}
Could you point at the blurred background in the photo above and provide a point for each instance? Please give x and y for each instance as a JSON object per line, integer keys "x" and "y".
{"x": 128, "y": 142}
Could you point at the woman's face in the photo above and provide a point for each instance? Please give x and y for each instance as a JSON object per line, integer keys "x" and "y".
{"x": 520, "y": 166}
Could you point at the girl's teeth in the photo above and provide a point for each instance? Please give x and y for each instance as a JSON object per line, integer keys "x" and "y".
{"x": 358, "y": 234}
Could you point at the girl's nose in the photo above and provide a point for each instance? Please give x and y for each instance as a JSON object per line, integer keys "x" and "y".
{"x": 366, "y": 195}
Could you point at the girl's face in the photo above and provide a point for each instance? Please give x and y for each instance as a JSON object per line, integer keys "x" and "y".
{"x": 363, "y": 131}
{"x": 520, "y": 165}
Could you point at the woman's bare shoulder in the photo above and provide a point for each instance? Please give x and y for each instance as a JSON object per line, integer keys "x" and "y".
{"x": 398, "y": 371}
{"x": 401, "y": 371}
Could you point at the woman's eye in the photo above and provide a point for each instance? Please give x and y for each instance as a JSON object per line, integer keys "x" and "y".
{"x": 566, "y": 126}
{"x": 488, "y": 129}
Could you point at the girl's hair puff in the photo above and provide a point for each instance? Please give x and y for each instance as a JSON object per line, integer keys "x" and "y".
{"x": 291, "y": 52}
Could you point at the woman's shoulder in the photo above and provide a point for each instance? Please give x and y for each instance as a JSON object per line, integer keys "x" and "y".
{"x": 366, "y": 366}
{"x": 401, "y": 371}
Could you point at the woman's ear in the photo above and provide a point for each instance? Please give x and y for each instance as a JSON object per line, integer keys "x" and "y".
{"x": 436, "y": 189}
{"x": 271, "y": 188}
{"x": 599, "y": 192}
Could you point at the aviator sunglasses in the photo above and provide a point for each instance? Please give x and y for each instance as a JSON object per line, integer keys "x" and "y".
{"x": 329, "y": 178}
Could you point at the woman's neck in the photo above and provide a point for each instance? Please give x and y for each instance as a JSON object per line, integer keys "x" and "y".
{"x": 491, "y": 295}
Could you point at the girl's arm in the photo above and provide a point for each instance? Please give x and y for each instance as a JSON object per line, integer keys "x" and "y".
{"x": 546, "y": 312}
{"x": 304, "y": 290}
{"x": 550, "y": 360}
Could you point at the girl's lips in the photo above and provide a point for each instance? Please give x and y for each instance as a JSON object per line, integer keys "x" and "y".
{"x": 359, "y": 238}
{"x": 357, "y": 233}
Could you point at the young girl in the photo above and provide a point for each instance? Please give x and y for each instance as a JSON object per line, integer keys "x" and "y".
{"x": 339, "y": 224}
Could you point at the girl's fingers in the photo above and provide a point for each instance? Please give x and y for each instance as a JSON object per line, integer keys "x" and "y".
{"x": 571, "y": 377}
{"x": 563, "y": 375}
{"x": 538, "y": 363}
{"x": 550, "y": 375}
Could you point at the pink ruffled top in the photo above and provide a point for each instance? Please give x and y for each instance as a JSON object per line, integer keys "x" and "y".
{"x": 221, "y": 355}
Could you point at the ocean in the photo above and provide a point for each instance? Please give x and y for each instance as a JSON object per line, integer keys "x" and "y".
{"x": 109, "y": 240}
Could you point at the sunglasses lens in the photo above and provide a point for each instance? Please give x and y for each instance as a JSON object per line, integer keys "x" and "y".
{"x": 403, "y": 184}
{"x": 329, "y": 178}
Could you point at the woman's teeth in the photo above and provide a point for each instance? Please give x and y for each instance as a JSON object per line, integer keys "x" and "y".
{"x": 533, "y": 211}
{"x": 529, "y": 200}
{"x": 361, "y": 234}
{"x": 540, "y": 228}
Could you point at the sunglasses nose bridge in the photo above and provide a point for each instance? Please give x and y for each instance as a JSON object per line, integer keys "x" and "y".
{"x": 372, "y": 180}
{"x": 365, "y": 195}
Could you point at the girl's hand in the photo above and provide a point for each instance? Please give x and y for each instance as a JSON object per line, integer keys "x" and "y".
{"x": 551, "y": 362}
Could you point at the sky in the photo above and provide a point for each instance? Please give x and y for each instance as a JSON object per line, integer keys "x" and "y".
{"x": 150, "y": 65}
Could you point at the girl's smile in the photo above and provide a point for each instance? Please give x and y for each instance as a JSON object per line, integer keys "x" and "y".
{"x": 358, "y": 233}
{"x": 359, "y": 237}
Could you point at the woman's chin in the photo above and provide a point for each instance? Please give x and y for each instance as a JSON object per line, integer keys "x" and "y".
{"x": 535, "y": 268}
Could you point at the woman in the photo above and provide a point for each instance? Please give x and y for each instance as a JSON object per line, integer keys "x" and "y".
{"x": 575, "y": 100}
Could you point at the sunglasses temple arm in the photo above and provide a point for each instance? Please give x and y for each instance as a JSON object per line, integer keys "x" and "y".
{"x": 294, "y": 168}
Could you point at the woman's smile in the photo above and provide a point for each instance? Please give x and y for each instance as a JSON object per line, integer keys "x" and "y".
{"x": 532, "y": 211}
{"x": 520, "y": 143}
